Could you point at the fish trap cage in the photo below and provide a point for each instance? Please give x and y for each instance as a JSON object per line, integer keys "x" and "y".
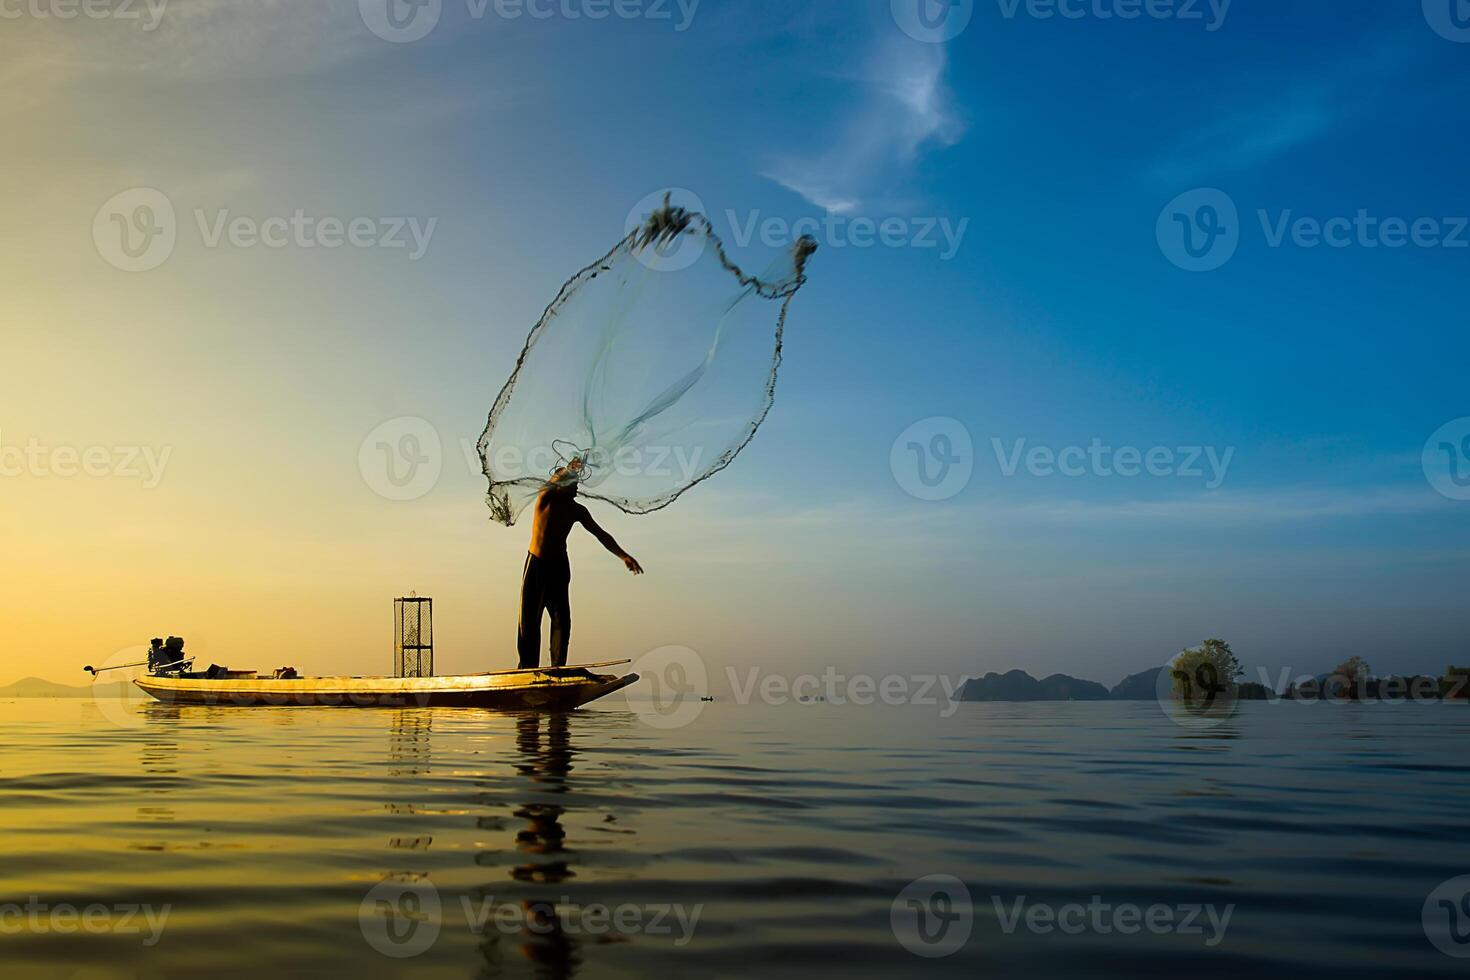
{"x": 413, "y": 637}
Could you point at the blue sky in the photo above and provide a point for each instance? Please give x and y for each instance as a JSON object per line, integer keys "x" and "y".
{"x": 1055, "y": 144}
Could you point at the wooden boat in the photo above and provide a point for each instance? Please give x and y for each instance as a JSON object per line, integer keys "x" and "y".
{"x": 533, "y": 689}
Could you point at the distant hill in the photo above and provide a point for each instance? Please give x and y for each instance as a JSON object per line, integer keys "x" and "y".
{"x": 35, "y": 687}
{"x": 1061, "y": 687}
{"x": 1017, "y": 685}
{"x": 1142, "y": 686}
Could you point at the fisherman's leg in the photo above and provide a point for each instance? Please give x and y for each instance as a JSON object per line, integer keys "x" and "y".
{"x": 528, "y": 629}
{"x": 559, "y": 604}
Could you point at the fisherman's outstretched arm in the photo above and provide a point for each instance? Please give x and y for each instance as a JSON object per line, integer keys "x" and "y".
{"x": 609, "y": 542}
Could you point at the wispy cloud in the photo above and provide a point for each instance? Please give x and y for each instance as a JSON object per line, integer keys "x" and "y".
{"x": 1249, "y": 138}
{"x": 1213, "y": 509}
{"x": 1221, "y": 508}
{"x": 904, "y": 109}
{"x": 1250, "y": 134}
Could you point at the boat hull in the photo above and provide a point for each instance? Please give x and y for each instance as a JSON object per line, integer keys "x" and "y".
{"x": 552, "y": 689}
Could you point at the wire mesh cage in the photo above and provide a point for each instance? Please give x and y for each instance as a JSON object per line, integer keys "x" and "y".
{"x": 413, "y": 637}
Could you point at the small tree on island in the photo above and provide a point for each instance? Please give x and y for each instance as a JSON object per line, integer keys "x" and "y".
{"x": 1203, "y": 673}
{"x": 1349, "y": 679}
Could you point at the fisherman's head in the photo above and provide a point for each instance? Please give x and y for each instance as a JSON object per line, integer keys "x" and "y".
{"x": 565, "y": 478}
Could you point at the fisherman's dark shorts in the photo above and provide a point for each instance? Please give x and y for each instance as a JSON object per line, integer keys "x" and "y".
{"x": 545, "y": 587}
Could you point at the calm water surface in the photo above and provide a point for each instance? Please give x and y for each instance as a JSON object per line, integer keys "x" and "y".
{"x": 302, "y": 841}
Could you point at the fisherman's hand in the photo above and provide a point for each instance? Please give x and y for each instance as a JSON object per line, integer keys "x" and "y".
{"x": 632, "y": 564}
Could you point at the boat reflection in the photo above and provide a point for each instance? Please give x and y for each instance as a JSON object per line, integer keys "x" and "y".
{"x": 160, "y": 757}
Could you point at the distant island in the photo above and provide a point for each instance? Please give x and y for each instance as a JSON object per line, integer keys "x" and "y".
{"x": 1349, "y": 681}
{"x": 35, "y": 687}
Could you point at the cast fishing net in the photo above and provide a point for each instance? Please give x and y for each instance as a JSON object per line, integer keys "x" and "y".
{"x": 648, "y": 373}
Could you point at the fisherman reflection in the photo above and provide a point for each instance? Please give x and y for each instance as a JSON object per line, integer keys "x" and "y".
{"x": 545, "y": 760}
{"x": 546, "y": 764}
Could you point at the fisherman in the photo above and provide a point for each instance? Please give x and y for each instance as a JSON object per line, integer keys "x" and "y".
{"x": 166, "y": 656}
{"x": 548, "y": 572}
